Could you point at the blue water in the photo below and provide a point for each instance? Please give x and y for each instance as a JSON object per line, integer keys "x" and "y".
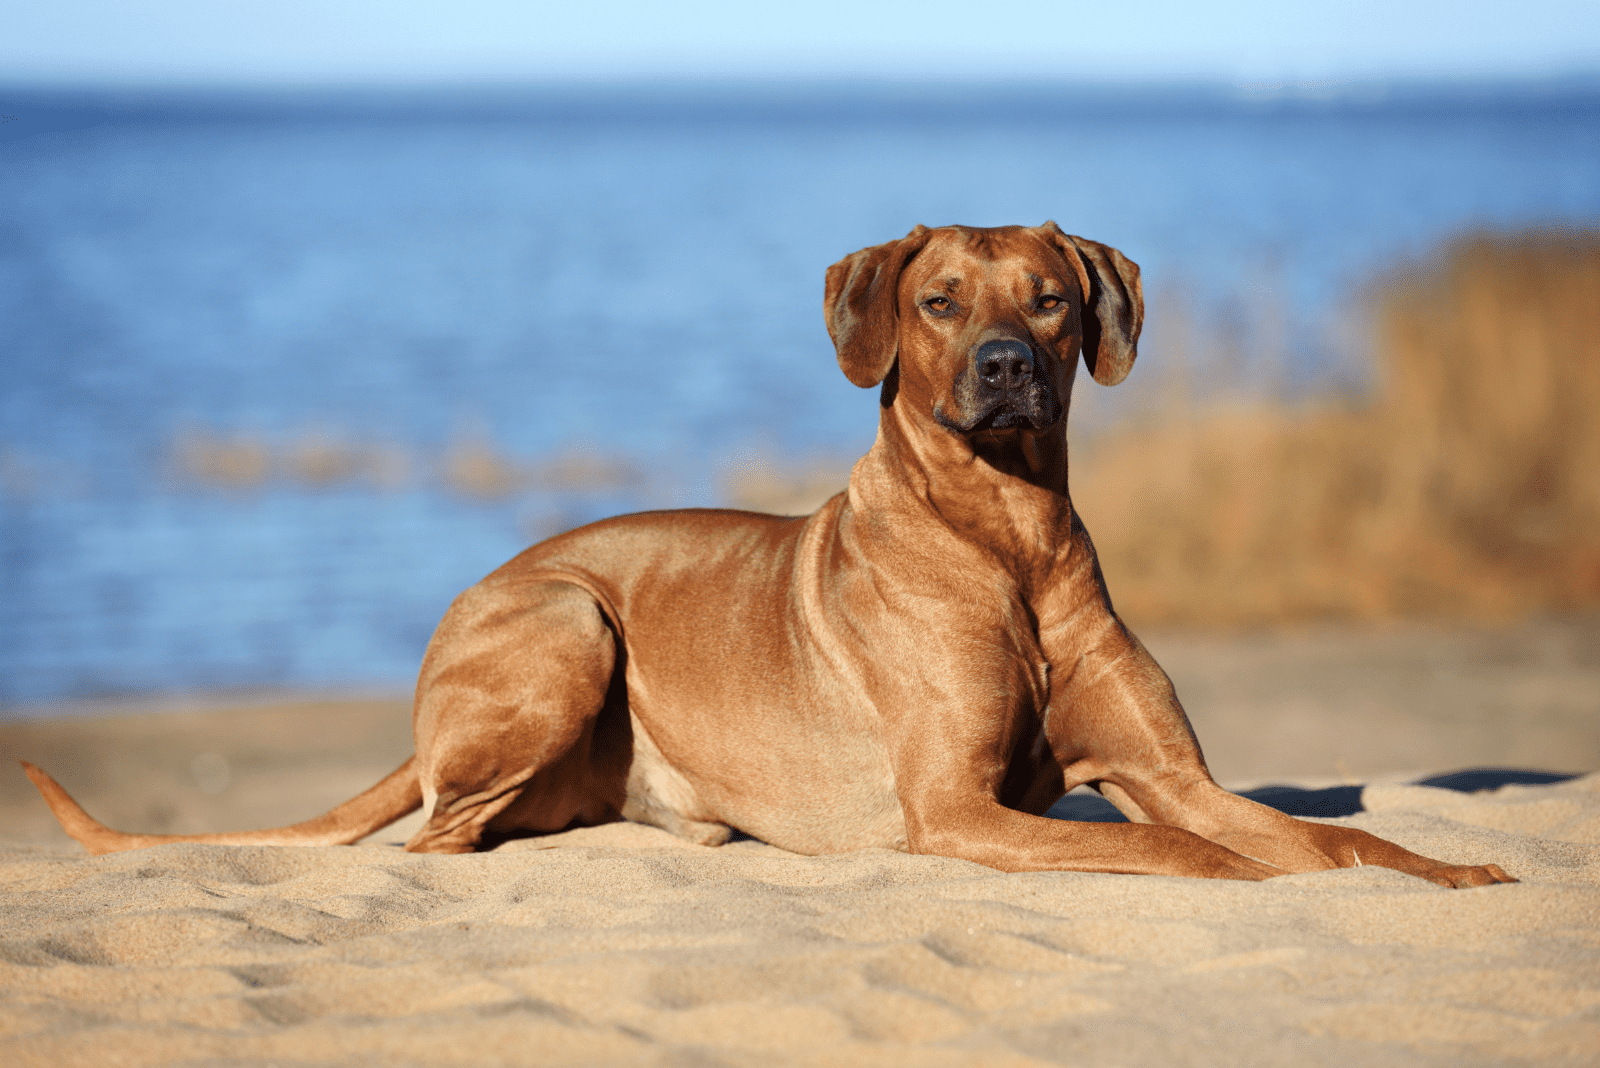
{"x": 629, "y": 274}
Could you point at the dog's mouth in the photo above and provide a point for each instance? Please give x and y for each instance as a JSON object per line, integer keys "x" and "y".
{"x": 1006, "y": 415}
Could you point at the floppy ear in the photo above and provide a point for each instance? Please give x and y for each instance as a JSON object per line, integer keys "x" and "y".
{"x": 859, "y": 306}
{"x": 1113, "y": 304}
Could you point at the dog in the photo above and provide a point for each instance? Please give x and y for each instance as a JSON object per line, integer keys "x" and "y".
{"x": 927, "y": 663}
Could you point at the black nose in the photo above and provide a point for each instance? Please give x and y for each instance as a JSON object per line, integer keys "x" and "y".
{"x": 1005, "y": 364}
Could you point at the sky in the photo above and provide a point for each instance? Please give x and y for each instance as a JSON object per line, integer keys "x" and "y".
{"x": 407, "y": 42}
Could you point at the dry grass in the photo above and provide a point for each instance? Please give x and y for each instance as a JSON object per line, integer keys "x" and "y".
{"x": 765, "y": 485}
{"x": 469, "y": 468}
{"x": 1467, "y": 486}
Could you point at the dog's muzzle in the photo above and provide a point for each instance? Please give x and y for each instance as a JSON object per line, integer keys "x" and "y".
{"x": 1006, "y": 387}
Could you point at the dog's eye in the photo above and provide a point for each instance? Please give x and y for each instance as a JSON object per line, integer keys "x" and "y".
{"x": 937, "y": 304}
{"x": 1049, "y": 303}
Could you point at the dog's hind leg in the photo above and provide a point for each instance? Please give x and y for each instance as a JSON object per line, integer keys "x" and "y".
{"x": 521, "y": 725}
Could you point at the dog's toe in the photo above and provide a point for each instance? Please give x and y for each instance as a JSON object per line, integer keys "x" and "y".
{"x": 1462, "y": 876}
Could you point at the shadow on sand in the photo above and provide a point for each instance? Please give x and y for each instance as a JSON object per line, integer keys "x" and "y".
{"x": 1332, "y": 801}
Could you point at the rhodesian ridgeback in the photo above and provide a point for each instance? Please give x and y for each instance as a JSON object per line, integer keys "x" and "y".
{"x": 927, "y": 663}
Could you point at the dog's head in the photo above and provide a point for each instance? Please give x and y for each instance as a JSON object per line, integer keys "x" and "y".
{"x": 981, "y": 328}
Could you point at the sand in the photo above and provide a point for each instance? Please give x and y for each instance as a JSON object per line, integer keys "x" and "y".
{"x": 621, "y": 945}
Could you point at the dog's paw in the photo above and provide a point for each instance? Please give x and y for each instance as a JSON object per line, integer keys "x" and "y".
{"x": 1461, "y": 876}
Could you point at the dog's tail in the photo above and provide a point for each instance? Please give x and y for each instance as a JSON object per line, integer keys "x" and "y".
{"x": 399, "y": 794}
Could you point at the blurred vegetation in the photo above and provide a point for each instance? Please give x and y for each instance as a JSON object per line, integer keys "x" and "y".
{"x": 469, "y": 468}
{"x": 1465, "y": 485}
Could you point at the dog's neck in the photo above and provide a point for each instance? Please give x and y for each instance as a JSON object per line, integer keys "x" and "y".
{"x": 1005, "y": 490}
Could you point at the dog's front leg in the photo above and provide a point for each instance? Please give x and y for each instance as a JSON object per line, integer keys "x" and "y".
{"x": 952, "y": 820}
{"x": 1116, "y": 721}
{"x": 949, "y": 763}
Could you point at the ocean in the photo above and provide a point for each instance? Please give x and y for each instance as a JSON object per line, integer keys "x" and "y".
{"x": 283, "y": 373}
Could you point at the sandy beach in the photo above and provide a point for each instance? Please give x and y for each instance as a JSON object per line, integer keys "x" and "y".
{"x": 621, "y": 945}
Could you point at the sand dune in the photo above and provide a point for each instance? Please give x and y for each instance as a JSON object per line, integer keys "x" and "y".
{"x": 622, "y": 945}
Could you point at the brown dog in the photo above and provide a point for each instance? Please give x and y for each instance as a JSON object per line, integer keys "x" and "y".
{"x": 927, "y": 663}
